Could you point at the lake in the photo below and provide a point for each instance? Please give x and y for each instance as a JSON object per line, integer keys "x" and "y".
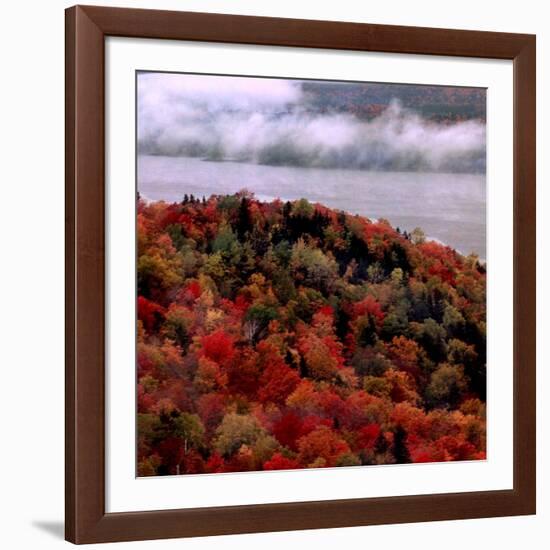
{"x": 448, "y": 207}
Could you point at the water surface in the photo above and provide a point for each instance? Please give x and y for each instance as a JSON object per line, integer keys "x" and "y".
{"x": 448, "y": 207}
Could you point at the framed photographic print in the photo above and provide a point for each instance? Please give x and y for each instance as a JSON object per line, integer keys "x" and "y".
{"x": 300, "y": 274}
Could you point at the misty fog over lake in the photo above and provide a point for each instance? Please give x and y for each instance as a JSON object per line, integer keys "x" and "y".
{"x": 448, "y": 207}
{"x": 414, "y": 155}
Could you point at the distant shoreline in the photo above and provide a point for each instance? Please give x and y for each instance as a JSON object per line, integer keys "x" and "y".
{"x": 374, "y": 168}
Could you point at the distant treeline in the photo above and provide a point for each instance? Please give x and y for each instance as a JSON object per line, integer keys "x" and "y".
{"x": 367, "y": 100}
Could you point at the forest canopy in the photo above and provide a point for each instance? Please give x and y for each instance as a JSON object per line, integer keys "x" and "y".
{"x": 282, "y": 335}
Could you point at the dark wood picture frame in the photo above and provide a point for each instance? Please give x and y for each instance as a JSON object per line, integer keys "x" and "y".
{"x": 86, "y": 30}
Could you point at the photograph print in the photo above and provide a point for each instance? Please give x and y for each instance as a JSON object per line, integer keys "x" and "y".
{"x": 311, "y": 274}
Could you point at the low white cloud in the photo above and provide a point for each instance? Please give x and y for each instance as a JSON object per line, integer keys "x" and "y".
{"x": 268, "y": 121}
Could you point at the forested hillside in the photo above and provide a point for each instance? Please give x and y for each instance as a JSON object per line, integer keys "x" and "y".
{"x": 288, "y": 335}
{"x": 367, "y": 100}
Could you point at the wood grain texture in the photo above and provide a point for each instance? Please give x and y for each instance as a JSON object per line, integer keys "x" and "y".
{"x": 86, "y": 29}
{"x": 85, "y": 260}
{"x": 242, "y": 29}
{"x": 525, "y": 272}
{"x": 70, "y": 302}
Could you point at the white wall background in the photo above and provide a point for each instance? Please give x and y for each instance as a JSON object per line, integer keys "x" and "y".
{"x": 31, "y": 274}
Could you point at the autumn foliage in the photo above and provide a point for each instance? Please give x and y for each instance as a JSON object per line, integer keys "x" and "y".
{"x": 277, "y": 335}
